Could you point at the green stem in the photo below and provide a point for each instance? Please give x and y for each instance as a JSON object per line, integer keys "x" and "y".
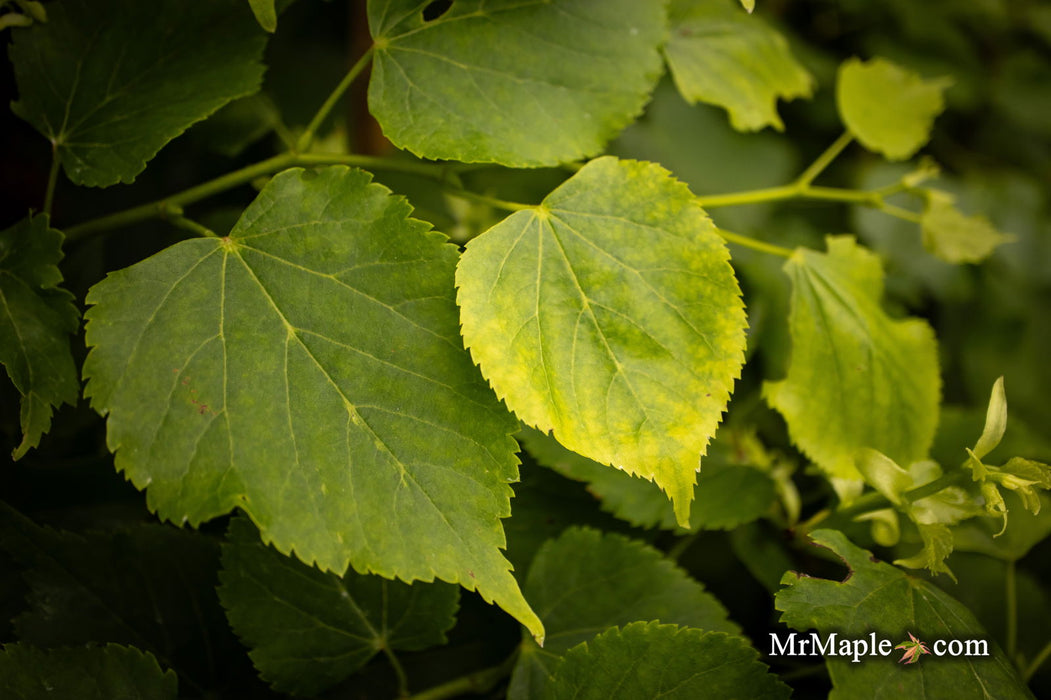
{"x": 52, "y": 180}
{"x": 823, "y": 160}
{"x": 684, "y": 543}
{"x": 399, "y": 671}
{"x": 478, "y": 682}
{"x": 486, "y": 199}
{"x": 754, "y": 244}
{"x": 192, "y": 226}
{"x": 1037, "y": 662}
{"x": 163, "y": 207}
{"x": 1011, "y": 597}
{"x": 876, "y": 501}
{"x": 768, "y": 194}
{"x": 308, "y": 136}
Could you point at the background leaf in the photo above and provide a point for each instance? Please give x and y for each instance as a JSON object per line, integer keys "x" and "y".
{"x": 857, "y": 378}
{"x": 610, "y": 315}
{"x": 877, "y": 597}
{"x": 522, "y": 84}
{"x": 585, "y": 581}
{"x": 641, "y": 502}
{"x": 148, "y": 585}
{"x": 99, "y": 673}
{"x": 36, "y": 319}
{"x": 954, "y": 237}
{"x": 308, "y": 629}
{"x": 110, "y": 82}
{"x": 265, "y": 13}
{"x": 650, "y": 660}
{"x": 300, "y": 369}
{"x": 723, "y": 57}
{"x": 889, "y": 109}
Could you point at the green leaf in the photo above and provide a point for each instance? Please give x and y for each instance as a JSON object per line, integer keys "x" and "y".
{"x": 647, "y": 661}
{"x": 148, "y": 585}
{"x": 90, "y": 673}
{"x": 308, "y": 369}
{"x": 748, "y": 5}
{"x": 610, "y": 315}
{"x": 857, "y": 378}
{"x": 36, "y": 319}
{"x": 110, "y": 82}
{"x": 889, "y": 109}
{"x": 585, "y": 582}
{"x": 308, "y": 630}
{"x": 995, "y": 421}
{"x": 721, "y": 57}
{"x": 641, "y": 502}
{"x": 522, "y": 84}
{"x": 878, "y": 598}
{"x": 1026, "y": 531}
{"x": 265, "y": 13}
{"x": 956, "y": 238}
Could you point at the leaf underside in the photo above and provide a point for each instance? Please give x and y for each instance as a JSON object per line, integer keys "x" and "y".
{"x": 856, "y": 378}
{"x": 36, "y": 320}
{"x": 308, "y": 369}
{"x": 610, "y": 315}
{"x": 108, "y": 82}
{"x": 721, "y": 56}
{"x": 519, "y": 83}
{"x": 877, "y": 597}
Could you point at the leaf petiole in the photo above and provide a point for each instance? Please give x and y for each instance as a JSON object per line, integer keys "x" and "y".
{"x": 330, "y": 102}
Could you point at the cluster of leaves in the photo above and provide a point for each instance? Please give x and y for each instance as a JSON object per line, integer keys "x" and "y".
{"x": 354, "y": 398}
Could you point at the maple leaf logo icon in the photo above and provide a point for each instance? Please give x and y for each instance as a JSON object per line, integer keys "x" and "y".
{"x": 914, "y": 649}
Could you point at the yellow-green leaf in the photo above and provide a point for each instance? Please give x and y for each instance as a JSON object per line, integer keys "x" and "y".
{"x": 889, "y": 109}
{"x": 954, "y": 237}
{"x": 857, "y": 377}
{"x": 719, "y": 56}
{"x": 610, "y": 315}
{"x": 265, "y": 13}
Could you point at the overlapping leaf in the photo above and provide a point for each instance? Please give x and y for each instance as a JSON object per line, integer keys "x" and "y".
{"x": 857, "y": 378}
{"x": 518, "y": 83}
{"x": 877, "y": 597}
{"x": 610, "y": 315}
{"x": 585, "y": 582}
{"x": 36, "y": 319}
{"x": 641, "y": 503}
{"x": 721, "y": 56}
{"x": 308, "y": 629}
{"x": 110, "y": 82}
{"x": 150, "y": 586}
{"x": 86, "y": 673}
{"x": 649, "y": 661}
{"x": 308, "y": 369}
{"x": 888, "y": 108}
{"x": 265, "y": 13}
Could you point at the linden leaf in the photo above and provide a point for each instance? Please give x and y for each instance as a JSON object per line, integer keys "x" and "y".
{"x": 956, "y": 238}
{"x": 107, "y": 80}
{"x": 857, "y": 378}
{"x": 265, "y": 13}
{"x": 642, "y": 503}
{"x": 307, "y": 629}
{"x": 887, "y": 108}
{"x": 308, "y": 369}
{"x": 721, "y": 57}
{"x": 86, "y": 673}
{"x": 36, "y": 319}
{"x": 585, "y": 581}
{"x": 517, "y": 83}
{"x": 648, "y": 660}
{"x": 610, "y": 315}
{"x": 878, "y": 598}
